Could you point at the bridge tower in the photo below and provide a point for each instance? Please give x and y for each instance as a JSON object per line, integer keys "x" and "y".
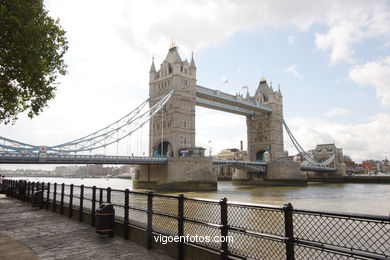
{"x": 265, "y": 129}
{"x": 265, "y": 142}
{"x": 172, "y": 131}
{"x": 174, "y": 127}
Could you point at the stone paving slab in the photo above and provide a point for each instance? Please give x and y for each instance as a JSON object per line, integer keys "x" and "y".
{"x": 52, "y": 236}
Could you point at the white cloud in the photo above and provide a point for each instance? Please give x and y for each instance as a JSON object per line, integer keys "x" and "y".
{"x": 337, "y": 111}
{"x": 360, "y": 141}
{"x": 375, "y": 74}
{"x": 293, "y": 70}
{"x": 291, "y": 39}
{"x": 351, "y": 22}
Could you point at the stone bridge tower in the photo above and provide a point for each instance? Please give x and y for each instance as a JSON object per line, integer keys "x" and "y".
{"x": 265, "y": 130}
{"x": 174, "y": 127}
{"x": 172, "y": 131}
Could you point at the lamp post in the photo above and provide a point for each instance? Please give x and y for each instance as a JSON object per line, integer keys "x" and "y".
{"x": 209, "y": 142}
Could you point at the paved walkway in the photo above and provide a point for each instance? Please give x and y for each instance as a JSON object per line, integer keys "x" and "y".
{"x": 27, "y": 233}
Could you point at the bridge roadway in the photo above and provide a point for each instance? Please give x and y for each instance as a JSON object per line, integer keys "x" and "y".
{"x": 53, "y": 158}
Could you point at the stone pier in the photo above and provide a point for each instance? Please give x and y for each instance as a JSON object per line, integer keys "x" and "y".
{"x": 179, "y": 174}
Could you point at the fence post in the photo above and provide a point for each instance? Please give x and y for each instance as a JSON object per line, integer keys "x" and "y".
{"x": 126, "y": 220}
{"x": 16, "y": 189}
{"x": 100, "y": 196}
{"x": 62, "y": 199}
{"x": 48, "y": 196}
{"x": 224, "y": 228}
{"x": 81, "y": 208}
{"x": 70, "y": 210}
{"x": 28, "y": 192}
{"x": 32, "y": 191}
{"x": 108, "y": 195}
{"x": 37, "y": 188}
{"x": 55, "y": 197}
{"x": 289, "y": 231}
{"x": 42, "y": 196}
{"x": 180, "y": 226}
{"x": 93, "y": 206}
{"x": 149, "y": 228}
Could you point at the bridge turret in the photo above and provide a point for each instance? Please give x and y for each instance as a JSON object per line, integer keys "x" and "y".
{"x": 174, "y": 128}
{"x": 265, "y": 130}
{"x": 152, "y": 71}
{"x": 192, "y": 66}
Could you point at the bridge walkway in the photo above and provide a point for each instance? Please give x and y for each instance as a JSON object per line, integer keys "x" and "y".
{"x": 52, "y": 236}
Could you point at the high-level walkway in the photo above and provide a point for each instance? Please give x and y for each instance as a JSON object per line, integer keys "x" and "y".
{"x": 27, "y": 233}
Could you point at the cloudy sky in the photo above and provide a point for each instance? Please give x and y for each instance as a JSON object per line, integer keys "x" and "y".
{"x": 330, "y": 58}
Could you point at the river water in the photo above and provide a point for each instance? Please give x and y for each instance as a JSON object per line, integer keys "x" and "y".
{"x": 350, "y": 197}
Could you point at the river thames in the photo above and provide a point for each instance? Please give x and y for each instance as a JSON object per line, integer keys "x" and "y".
{"x": 340, "y": 197}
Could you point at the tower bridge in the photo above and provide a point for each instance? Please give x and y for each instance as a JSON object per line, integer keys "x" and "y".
{"x": 174, "y": 161}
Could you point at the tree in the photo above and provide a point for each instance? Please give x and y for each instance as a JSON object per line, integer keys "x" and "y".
{"x": 32, "y": 46}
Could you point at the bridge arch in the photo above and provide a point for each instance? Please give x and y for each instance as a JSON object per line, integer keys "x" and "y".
{"x": 162, "y": 150}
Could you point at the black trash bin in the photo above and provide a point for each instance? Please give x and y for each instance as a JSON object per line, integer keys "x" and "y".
{"x": 37, "y": 199}
{"x": 105, "y": 219}
{"x": 9, "y": 192}
{"x": 22, "y": 190}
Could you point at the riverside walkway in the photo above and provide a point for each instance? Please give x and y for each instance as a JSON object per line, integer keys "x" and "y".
{"x": 27, "y": 233}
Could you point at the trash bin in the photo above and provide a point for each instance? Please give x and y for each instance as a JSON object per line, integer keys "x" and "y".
{"x": 104, "y": 219}
{"x": 9, "y": 192}
{"x": 22, "y": 190}
{"x": 37, "y": 199}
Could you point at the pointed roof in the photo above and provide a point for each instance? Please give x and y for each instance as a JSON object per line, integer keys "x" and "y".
{"x": 263, "y": 89}
{"x": 192, "y": 63}
{"x": 173, "y": 55}
{"x": 152, "y": 68}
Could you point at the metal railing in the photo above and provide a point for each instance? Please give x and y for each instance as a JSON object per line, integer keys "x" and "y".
{"x": 258, "y": 231}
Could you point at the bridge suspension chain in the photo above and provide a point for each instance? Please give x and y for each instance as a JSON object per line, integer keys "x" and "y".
{"x": 309, "y": 160}
{"x": 102, "y": 138}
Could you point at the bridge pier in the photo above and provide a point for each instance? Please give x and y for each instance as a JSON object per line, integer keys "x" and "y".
{"x": 279, "y": 173}
{"x": 179, "y": 174}
{"x": 285, "y": 173}
{"x": 336, "y": 176}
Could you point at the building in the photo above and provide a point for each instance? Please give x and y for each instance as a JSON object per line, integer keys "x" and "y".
{"x": 225, "y": 173}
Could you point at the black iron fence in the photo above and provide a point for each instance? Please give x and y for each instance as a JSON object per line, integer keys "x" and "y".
{"x": 255, "y": 231}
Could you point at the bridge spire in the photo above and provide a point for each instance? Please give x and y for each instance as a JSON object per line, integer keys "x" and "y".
{"x": 192, "y": 63}
{"x": 152, "y": 67}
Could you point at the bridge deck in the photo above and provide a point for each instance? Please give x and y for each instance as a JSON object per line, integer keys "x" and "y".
{"x": 13, "y": 158}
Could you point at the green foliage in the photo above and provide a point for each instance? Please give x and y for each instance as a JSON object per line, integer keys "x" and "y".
{"x": 32, "y": 46}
